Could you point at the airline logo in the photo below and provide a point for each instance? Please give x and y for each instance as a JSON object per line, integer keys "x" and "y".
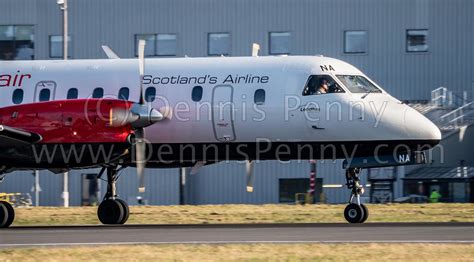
{"x": 15, "y": 80}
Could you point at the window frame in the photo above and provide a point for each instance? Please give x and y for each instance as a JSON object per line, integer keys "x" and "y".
{"x": 270, "y": 42}
{"x": 40, "y": 96}
{"x": 14, "y": 99}
{"x": 69, "y": 46}
{"x": 154, "y": 44}
{"x": 345, "y": 42}
{"x": 200, "y": 95}
{"x": 96, "y": 89}
{"x": 426, "y": 41}
{"x": 72, "y": 90}
{"x": 333, "y": 77}
{"x": 209, "y": 43}
{"x": 120, "y": 93}
{"x": 14, "y": 41}
{"x": 157, "y": 46}
{"x": 259, "y": 103}
{"x": 147, "y": 99}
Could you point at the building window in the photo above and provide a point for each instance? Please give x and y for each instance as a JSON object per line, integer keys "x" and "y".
{"x": 279, "y": 43}
{"x": 16, "y": 42}
{"x": 417, "y": 40}
{"x": 355, "y": 42}
{"x": 17, "y": 96}
{"x": 259, "y": 97}
{"x": 166, "y": 45}
{"x": 124, "y": 93}
{"x": 150, "y": 94}
{"x": 98, "y": 92}
{"x": 157, "y": 44}
{"x": 72, "y": 93}
{"x": 150, "y": 45}
{"x": 288, "y": 188}
{"x": 218, "y": 44}
{"x": 44, "y": 95}
{"x": 197, "y": 93}
{"x": 56, "y": 46}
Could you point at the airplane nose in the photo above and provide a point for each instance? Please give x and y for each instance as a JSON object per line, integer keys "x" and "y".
{"x": 418, "y": 127}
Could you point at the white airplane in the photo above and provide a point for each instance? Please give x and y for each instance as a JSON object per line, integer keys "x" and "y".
{"x": 62, "y": 115}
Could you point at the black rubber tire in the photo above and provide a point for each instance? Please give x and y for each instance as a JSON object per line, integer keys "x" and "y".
{"x": 110, "y": 212}
{"x": 353, "y": 213}
{"x": 3, "y": 215}
{"x": 126, "y": 211}
{"x": 11, "y": 213}
{"x": 366, "y": 213}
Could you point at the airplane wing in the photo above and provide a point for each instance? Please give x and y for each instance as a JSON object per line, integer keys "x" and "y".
{"x": 10, "y": 136}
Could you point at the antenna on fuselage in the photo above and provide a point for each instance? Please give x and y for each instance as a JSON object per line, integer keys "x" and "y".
{"x": 109, "y": 52}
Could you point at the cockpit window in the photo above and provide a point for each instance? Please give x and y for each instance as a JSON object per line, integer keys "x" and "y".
{"x": 321, "y": 84}
{"x": 358, "y": 84}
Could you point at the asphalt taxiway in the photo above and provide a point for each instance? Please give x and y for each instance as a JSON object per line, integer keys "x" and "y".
{"x": 238, "y": 233}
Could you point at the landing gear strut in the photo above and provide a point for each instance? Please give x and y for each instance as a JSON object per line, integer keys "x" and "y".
{"x": 355, "y": 212}
{"x": 112, "y": 210}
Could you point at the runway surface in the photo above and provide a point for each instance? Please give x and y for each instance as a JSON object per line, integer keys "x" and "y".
{"x": 238, "y": 233}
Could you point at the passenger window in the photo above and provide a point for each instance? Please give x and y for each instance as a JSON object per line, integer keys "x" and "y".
{"x": 259, "y": 97}
{"x": 124, "y": 93}
{"x": 197, "y": 93}
{"x": 72, "y": 93}
{"x": 321, "y": 84}
{"x": 17, "y": 96}
{"x": 44, "y": 95}
{"x": 150, "y": 94}
{"x": 98, "y": 93}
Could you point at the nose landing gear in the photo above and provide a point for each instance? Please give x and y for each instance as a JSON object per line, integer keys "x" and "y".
{"x": 112, "y": 210}
{"x": 355, "y": 212}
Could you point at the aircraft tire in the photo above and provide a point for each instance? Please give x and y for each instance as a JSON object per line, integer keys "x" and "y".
{"x": 126, "y": 211}
{"x": 3, "y": 215}
{"x": 366, "y": 213}
{"x": 110, "y": 212}
{"x": 353, "y": 213}
{"x": 11, "y": 213}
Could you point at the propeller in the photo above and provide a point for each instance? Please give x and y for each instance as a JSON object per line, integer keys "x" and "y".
{"x": 138, "y": 116}
{"x": 140, "y": 146}
{"x": 249, "y": 170}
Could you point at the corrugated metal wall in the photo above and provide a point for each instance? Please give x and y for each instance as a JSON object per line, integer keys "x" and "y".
{"x": 316, "y": 27}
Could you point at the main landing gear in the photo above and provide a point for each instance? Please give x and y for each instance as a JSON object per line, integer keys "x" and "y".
{"x": 7, "y": 214}
{"x": 112, "y": 210}
{"x": 355, "y": 212}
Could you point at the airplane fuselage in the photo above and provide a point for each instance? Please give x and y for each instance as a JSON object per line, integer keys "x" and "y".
{"x": 227, "y": 108}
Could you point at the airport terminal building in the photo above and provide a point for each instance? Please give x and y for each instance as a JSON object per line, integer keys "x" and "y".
{"x": 420, "y": 51}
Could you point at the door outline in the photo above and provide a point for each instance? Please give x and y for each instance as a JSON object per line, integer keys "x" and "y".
{"x": 51, "y": 85}
{"x": 214, "y": 125}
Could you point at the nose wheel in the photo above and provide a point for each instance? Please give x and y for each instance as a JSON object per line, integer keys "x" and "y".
{"x": 112, "y": 210}
{"x": 355, "y": 212}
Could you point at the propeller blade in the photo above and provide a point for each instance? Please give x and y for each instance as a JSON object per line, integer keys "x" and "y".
{"x": 141, "y": 67}
{"x": 249, "y": 169}
{"x": 140, "y": 151}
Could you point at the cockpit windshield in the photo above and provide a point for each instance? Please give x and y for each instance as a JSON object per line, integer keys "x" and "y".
{"x": 358, "y": 84}
{"x": 321, "y": 84}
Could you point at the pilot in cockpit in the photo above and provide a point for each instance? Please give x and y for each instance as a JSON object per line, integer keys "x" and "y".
{"x": 323, "y": 87}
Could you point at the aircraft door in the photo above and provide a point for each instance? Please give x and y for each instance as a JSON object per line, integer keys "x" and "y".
{"x": 45, "y": 91}
{"x": 223, "y": 113}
